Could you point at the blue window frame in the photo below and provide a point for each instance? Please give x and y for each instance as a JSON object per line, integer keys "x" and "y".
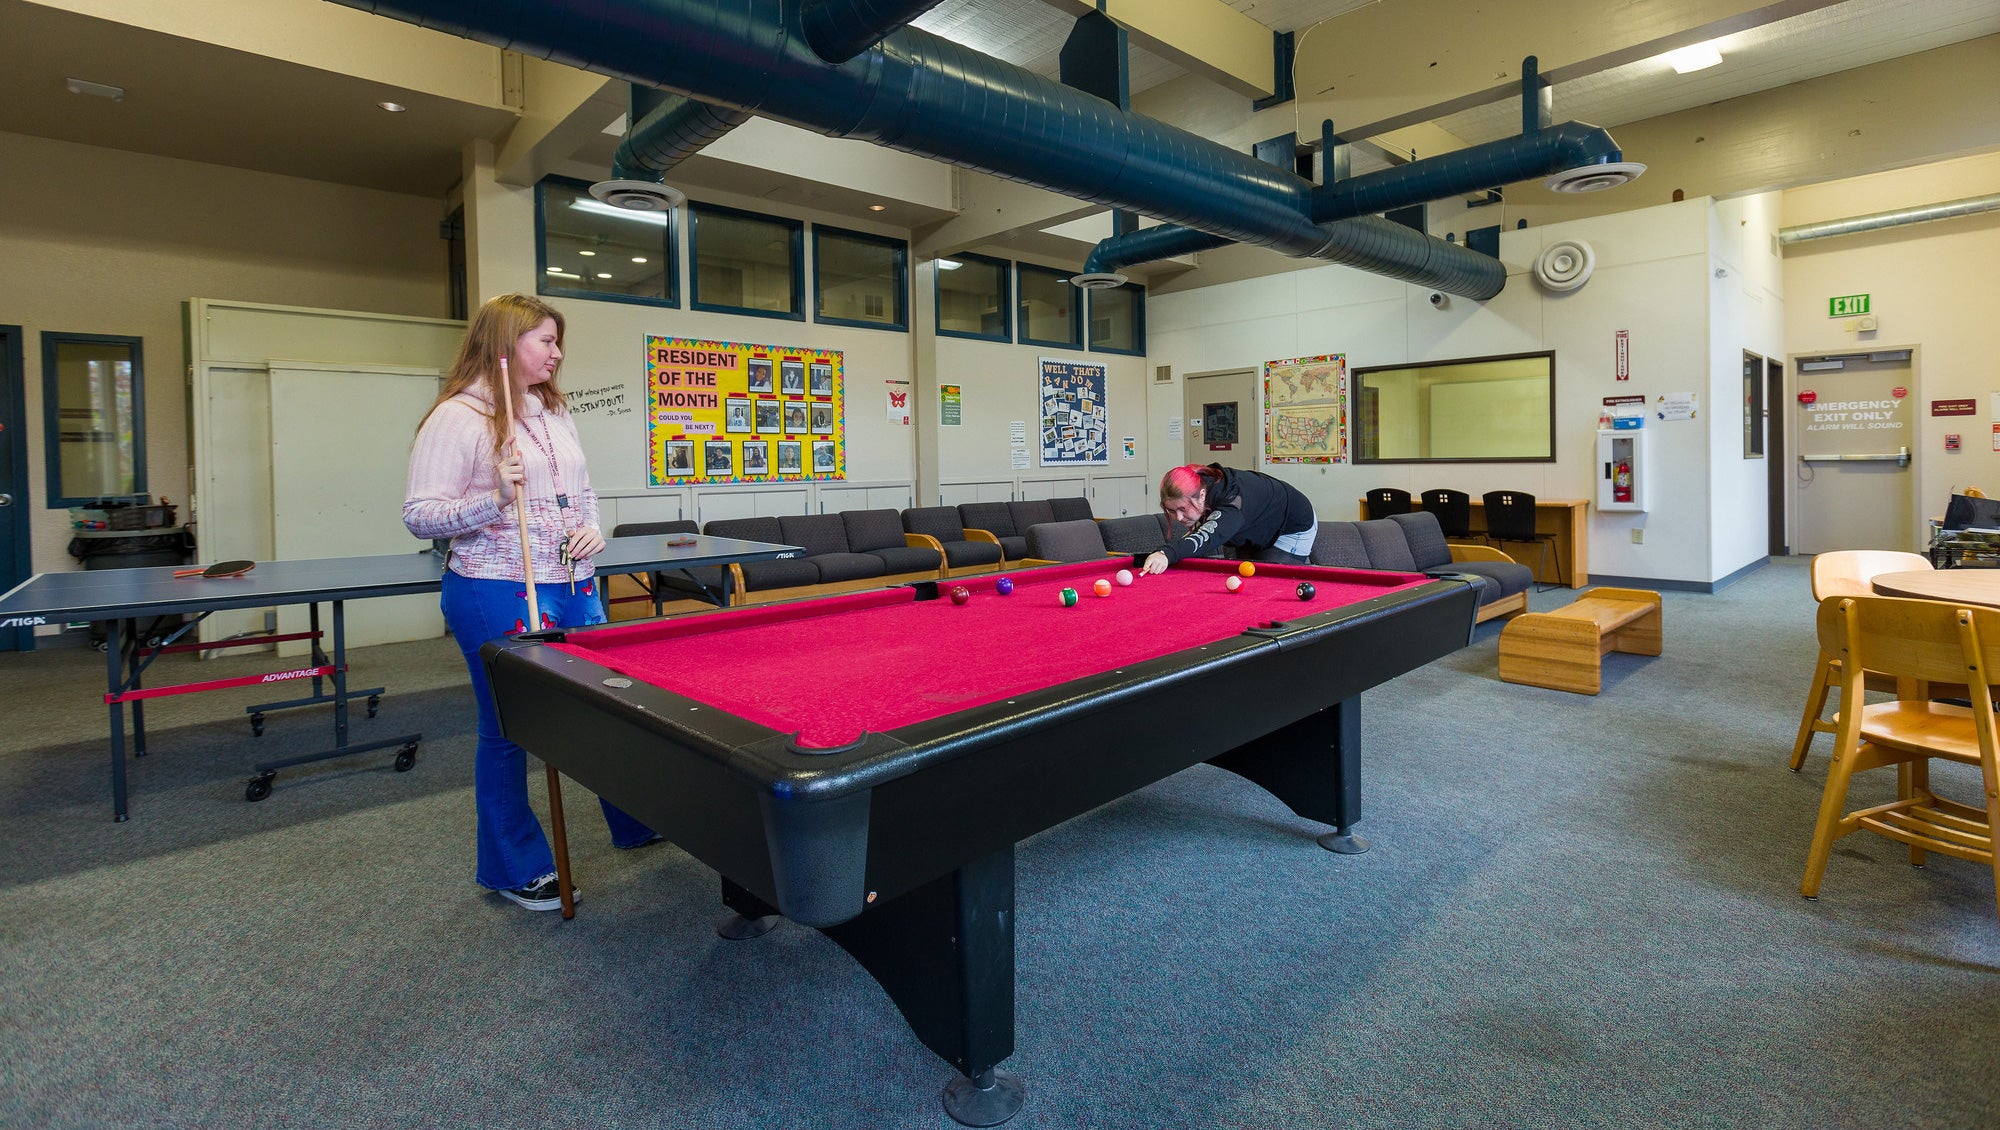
{"x": 585, "y": 248}
{"x": 746, "y": 263}
{"x": 1118, "y": 320}
{"x": 860, "y": 279}
{"x": 974, "y": 298}
{"x": 1051, "y": 310}
{"x": 94, "y": 417}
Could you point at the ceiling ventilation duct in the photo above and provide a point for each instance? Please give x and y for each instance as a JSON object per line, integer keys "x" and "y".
{"x": 1565, "y": 265}
{"x": 1876, "y": 221}
{"x": 922, "y": 94}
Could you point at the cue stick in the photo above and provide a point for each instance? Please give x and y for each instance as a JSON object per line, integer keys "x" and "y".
{"x": 521, "y": 505}
{"x": 564, "y": 889}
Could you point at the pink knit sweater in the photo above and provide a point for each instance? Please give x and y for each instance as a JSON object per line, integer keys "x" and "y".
{"x": 452, "y": 480}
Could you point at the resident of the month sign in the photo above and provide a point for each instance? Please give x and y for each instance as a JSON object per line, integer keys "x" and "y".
{"x": 727, "y": 412}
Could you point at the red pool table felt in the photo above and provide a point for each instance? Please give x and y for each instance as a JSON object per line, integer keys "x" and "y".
{"x": 830, "y": 668}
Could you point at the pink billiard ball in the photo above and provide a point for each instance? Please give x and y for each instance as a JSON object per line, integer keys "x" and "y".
{"x": 1102, "y": 587}
{"x": 960, "y": 594}
{"x": 1124, "y": 576}
{"x": 1233, "y": 584}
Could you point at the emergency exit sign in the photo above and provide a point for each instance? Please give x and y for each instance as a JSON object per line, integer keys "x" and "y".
{"x": 1847, "y": 306}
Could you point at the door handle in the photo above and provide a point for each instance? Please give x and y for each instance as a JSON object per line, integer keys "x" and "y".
{"x": 1900, "y": 457}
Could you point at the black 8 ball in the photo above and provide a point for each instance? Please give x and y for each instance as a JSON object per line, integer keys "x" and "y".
{"x": 1306, "y": 590}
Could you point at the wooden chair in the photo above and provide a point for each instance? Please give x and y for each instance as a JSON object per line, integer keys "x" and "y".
{"x": 1916, "y": 640}
{"x": 1844, "y": 572}
{"x": 1384, "y": 501}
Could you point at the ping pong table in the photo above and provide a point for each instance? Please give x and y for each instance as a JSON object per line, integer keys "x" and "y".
{"x": 121, "y": 597}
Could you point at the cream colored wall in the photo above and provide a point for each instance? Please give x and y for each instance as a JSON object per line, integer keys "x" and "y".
{"x": 1934, "y": 288}
{"x": 100, "y": 241}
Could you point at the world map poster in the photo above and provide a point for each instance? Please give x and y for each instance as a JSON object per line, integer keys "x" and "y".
{"x": 1305, "y": 410}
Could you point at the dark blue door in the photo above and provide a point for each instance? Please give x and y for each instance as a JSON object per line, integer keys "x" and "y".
{"x": 13, "y": 480}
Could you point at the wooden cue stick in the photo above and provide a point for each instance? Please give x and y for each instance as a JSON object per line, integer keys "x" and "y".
{"x": 521, "y": 506}
{"x": 559, "y": 840}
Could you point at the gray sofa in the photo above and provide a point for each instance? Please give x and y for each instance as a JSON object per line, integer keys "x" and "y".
{"x": 1414, "y": 543}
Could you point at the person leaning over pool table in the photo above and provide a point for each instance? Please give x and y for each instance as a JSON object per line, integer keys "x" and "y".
{"x": 1262, "y": 518}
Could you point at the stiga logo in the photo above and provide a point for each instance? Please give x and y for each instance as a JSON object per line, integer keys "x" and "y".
{"x": 23, "y": 621}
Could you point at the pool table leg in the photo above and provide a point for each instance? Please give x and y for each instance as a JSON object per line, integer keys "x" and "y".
{"x": 944, "y": 953}
{"x": 1314, "y": 766}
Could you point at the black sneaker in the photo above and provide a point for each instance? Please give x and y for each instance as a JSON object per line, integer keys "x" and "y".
{"x": 542, "y": 894}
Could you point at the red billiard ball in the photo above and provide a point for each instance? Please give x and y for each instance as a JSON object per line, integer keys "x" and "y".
{"x": 1306, "y": 590}
{"x": 1248, "y": 569}
{"x": 1124, "y": 577}
{"x": 960, "y": 594}
{"x": 1233, "y": 584}
{"x": 1102, "y": 587}
{"x": 1004, "y": 586}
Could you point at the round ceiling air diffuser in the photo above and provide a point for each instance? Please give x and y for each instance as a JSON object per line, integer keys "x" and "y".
{"x": 1098, "y": 280}
{"x": 1594, "y": 178}
{"x": 1565, "y": 265}
{"x": 638, "y": 195}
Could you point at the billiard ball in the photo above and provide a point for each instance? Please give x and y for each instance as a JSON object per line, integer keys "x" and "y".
{"x": 1233, "y": 584}
{"x": 1004, "y": 586}
{"x": 1124, "y": 576}
{"x": 1102, "y": 587}
{"x": 1306, "y": 590}
{"x": 1248, "y": 569}
{"x": 1068, "y": 598}
{"x": 960, "y": 594}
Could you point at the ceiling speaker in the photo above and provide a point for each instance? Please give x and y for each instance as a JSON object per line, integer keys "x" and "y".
{"x": 1565, "y": 265}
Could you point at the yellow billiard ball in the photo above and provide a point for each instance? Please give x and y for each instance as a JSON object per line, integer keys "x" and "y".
{"x": 1248, "y": 569}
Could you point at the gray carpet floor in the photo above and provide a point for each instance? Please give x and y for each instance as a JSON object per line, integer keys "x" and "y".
{"x": 1578, "y": 912}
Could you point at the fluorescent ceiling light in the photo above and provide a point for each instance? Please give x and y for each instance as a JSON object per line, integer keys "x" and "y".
{"x": 1821, "y": 366}
{"x": 949, "y": 264}
{"x": 657, "y": 219}
{"x": 587, "y": 254}
{"x": 562, "y": 274}
{"x": 638, "y": 258}
{"x": 393, "y": 107}
{"x": 604, "y": 274}
{"x": 95, "y": 89}
{"x": 1699, "y": 57}
{"x": 555, "y": 270}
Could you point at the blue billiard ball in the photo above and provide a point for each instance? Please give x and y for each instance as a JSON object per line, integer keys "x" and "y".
{"x": 1004, "y": 586}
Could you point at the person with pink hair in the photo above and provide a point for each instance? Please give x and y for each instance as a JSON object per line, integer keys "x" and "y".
{"x": 1215, "y": 507}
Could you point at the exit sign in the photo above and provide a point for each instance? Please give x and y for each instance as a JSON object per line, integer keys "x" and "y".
{"x": 1847, "y": 306}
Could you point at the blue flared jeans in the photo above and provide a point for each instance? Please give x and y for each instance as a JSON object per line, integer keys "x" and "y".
{"x": 513, "y": 852}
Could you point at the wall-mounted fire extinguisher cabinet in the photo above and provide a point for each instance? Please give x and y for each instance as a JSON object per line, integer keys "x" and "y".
{"x": 1622, "y": 479}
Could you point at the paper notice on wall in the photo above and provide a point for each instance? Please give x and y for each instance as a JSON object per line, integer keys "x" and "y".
{"x": 1131, "y": 448}
{"x": 1174, "y": 428}
{"x": 1675, "y": 406}
{"x": 898, "y": 401}
{"x": 1020, "y": 462}
{"x": 1017, "y": 433}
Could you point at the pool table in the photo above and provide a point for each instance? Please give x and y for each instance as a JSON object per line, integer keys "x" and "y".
{"x": 865, "y": 763}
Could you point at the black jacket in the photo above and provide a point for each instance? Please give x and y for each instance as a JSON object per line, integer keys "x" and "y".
{"x": 1245, "y": 508}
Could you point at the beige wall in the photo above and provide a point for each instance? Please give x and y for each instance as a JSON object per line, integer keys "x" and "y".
{"x": 1934, "y": 288}
{"x": 99, "y": 241}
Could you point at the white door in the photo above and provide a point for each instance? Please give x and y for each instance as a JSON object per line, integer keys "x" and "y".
{"x": 1856, "y": 443}
{"x": 1222, "y": 419}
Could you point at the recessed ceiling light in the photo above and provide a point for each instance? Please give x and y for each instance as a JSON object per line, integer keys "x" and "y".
{"x": 604, "y": 274}
{"x": 586, "y": 253}
{"x": 878, "y": 207}
{"x": 96, "y": 89}
{"x": 393, "y": 107}
{"x": 949, "y": 264}
{"x": 1689, "y": 59}
{"x": 555, "y": 270}
{"x": 638, "y": 258}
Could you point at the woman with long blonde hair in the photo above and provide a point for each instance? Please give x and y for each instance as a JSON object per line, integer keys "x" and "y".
{"x": 472, "y": 464}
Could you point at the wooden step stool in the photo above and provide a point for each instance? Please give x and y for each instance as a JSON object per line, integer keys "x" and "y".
{"x": 1564, "y": 649}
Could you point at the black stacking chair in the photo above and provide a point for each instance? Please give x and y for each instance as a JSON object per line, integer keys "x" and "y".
{"x": 1384, "y": 501}
{"x": 1510, "y": 516}
{"x": 1453, "y": 510}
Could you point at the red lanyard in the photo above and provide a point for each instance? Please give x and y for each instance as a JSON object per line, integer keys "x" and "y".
{"x": 548, "y": 452}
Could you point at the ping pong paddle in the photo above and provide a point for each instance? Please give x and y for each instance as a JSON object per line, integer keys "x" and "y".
{"x": 680, "y": 539}
{"x": 219, "y": 569}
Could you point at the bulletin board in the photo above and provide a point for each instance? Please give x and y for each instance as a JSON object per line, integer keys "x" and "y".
{"x": 1075, "y": 424}
{"x": 731, "y": 412}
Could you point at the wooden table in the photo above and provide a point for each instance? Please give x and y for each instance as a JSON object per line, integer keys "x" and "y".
{"x": 1566, "y": 518}
{"x": 1960, "y": 586}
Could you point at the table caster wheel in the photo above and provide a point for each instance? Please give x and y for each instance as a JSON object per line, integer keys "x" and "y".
{"x": 405, "y": 758}
{"x": 374, "y": 704}
{"x": 259, "y": 787}
{"x": 257, "y": 725}
{"x": 100, "y": 645}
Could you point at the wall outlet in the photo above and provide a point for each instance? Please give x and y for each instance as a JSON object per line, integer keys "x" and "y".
{"x": 1638, "y": 535}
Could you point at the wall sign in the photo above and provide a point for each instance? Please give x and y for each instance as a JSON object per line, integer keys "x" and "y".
{"x": 1622, "y": 355}
{"x": 729, "y": 412}
{"x": 1964, "y": 407}
{"x": 1305, "y": 410}
{"x": 1847, "y": 305}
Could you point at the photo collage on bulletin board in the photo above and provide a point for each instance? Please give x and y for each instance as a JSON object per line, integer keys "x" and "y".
{"x": 729, "y": 412}
{"x": 1075, "y": 424}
